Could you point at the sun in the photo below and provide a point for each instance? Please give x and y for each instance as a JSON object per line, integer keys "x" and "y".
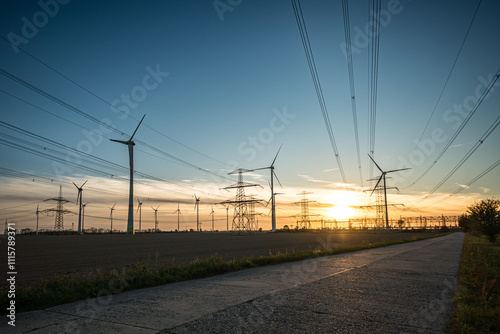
{"x": 341, "y": 212}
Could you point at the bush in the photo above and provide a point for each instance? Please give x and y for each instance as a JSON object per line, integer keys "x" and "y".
{"x": 485, "y": 217}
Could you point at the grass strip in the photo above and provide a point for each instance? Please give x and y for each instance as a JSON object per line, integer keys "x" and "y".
{"x": 70, "y": 288}
{"x": 477, "y": 301}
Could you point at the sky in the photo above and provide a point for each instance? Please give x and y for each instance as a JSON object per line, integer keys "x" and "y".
{"x": 225, "y": 84}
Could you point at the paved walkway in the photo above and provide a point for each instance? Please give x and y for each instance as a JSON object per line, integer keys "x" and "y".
{"x": 405, "y": 288}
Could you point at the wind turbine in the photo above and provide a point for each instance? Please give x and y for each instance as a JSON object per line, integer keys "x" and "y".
{"x": 213, "y": 215}
{"x": 156, "y": 217}
{"x": 139, "y": 208}
{"x": 178, "y": 211}
{"x": 79, "y": 196}
{"x": 197, "y": 208}
{"x": 385, "y": 188}
{"x": 111, "y": 217}
{"x": 130, "y": 144}
{"x": 37, "y": 212}
{"x": 273, "y": 205}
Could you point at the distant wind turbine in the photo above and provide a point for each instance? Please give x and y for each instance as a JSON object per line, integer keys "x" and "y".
{"x": 37, "y": 212}
{"x": 130, "y": 144}
{"x": 197, "y": 208}
{"x": 385, "y": 187}
{"x": 178, "y": 211}
{"x": 156, "y": 217}
{"x": 273, "y": 205}
{"x": 111, "y": 217}
{"x": 213, "y": 215}
{"x": 139, "y": 208}
{"x": 79, "y": 196}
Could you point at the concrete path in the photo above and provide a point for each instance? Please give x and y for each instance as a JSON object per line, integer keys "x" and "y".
{"x": 405, "y": 288}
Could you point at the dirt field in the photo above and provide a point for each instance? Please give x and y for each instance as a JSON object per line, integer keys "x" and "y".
{"x": 40, "y": 257}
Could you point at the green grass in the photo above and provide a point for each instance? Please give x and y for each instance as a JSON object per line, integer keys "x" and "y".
{"x": 477, "y": 301}
{"x": 69, "y": 288}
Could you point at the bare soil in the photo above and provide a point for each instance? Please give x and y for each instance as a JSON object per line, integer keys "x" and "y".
{"x": 43, "y": 256}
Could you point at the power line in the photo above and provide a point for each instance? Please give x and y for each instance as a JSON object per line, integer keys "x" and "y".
{"x": 467, "y": 156}
{"x": 95, "y": 120}
{"x": 347, "y": 32}
{"x": 466, "y": 120}
{"x": 103, "y": 100}
{"x": 373, "y": 76}
{"x": 299, "y": 17}
{"x": 447, "y": 79}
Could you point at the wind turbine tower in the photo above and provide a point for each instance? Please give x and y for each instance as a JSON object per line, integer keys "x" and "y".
{"x": 178, "y": 211}
{"x": 37, "y": 213}
{"x": 385, "y": 187}
{"x": 156, "y": 217}
{"x": 79, "y": 196}
{"x": 197, "y": 208}
{"x": 130, "y": 144}
{"x": 83, "y": 215}
{"x": 139, "y": 208}
{"x": 111, "y": 217}
{"x": 213, "y": 215}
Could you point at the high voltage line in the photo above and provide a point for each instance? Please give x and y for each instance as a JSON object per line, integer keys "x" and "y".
{"x": 39, "y": 150}
{"x": 103, "y": 100}
{"x": 447, "y": 80}
{"x": 460, "y": 128}
{"x": 299, "y": 17}
{"x": 347, "y": 32}
{"x": 95, "y": 120}
{"x": 468, "y": 155}
{"x": 373, "y": 62}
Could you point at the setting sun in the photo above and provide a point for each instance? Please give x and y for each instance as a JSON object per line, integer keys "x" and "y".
{"x": 341, "y": 212}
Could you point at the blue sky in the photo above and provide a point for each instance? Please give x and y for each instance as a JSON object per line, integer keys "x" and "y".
{"x": 225, "y": 78}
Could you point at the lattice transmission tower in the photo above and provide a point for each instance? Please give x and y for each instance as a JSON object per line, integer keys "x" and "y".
{"x": 59, "y": 210}
{"x": 241, "y": 218}
{"x": 304, "y": 218}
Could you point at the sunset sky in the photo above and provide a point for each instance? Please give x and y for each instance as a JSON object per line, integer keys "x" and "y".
{"x": 223, "y": 85}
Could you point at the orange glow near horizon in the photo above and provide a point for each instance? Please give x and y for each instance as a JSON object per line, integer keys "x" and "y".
{"x": 344, "y": 203}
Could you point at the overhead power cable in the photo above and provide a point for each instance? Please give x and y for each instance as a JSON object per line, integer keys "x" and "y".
{"x": 97, "y": 121}
{"x": 483, "y": 173}
{"x": 373, "y": 76}
{"x": 299, "y": 17}
{"x": 347, "y": 32}
{"x": 446, "y": 82}
{"x": 467, "y": 156}
{"x": 460, "y": 128}
{"x": 106, "y": 102}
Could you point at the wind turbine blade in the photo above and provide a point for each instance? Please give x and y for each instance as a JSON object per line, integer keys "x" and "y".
{"x": 380, "y": 169}
{"x": 277, "y": 179}
{"x": 84, "y": 183}
{"x": 114, "y": 205}
{"x": 277, "y": 155}
{"x": 269, "y": 201}
{"x": 258, "y": 169}
{"x": 381, "y": 176}
{"x": 158, "y": 207}
{"x": 397, "y": 170}
{"x": 120, "y": 141}
{"x": 137, "y": 128}
{"x": 153, "y": 208}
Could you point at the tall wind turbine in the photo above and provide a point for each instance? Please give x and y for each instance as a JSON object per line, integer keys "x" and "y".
{"x": 139, "y": 208}
{"x": 156, "y": 217}
{"x": 79, "y": 196}
{"x": 130, "y": 144}
{"x": 197, "y": 208}
{"x": 111, "y": 217}
{"x": 178, "y": 211}
{"x": 385, "y": 187}
{"x": 213, "y": 215}
{"x": 273, "y": 200}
